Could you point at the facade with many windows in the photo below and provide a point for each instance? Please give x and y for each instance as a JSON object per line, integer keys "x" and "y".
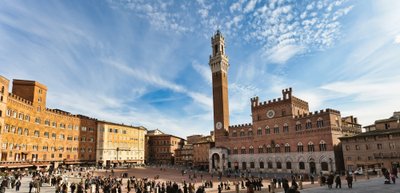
{"x": 376, "y": 148}
{"x": 120, "y": 144}
{"x": 33, "y": 135}
{"x": 284, "y": 135}
{"x": 161, "y": 148}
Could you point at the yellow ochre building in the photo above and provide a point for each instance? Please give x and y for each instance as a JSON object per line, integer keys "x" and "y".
{"x": 33, "y": 135}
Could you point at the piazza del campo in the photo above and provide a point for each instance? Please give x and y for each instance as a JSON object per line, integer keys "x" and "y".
{"x": 291, "y": 142}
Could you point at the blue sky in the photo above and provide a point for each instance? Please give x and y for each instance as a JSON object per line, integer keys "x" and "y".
{"x": 144, "y": 62}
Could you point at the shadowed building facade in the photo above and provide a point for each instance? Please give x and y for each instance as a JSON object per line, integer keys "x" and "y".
{"x": 283, "y": 136}
{"x": 161, "y": 147}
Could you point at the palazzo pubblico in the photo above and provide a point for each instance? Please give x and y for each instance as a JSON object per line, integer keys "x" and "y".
{"x": 284, "y": 135}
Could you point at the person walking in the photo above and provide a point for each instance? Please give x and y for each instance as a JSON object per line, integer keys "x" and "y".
{"x": 329, "y": 181}
{"x": 338, "y": 181}
{"x": 349, "y": 179}
{"x": 30, "y": 186}
{"x": 17, "y": 185}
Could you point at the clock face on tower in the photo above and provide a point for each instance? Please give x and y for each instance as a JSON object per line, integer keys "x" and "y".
{"x": 270, "y": 113}
{"x": 218, "y": 125}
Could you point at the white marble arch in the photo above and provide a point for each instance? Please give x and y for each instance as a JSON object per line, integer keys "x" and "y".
{"x": 311, "y": 158}
{"x": 300, "y": 159}
{"x": 288, "y": 159}
{"x": 218, "y": 157}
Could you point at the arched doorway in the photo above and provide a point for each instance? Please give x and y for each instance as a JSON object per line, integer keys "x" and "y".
{"x": 216, "y": 161}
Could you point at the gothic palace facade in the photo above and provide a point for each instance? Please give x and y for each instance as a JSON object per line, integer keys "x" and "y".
{"x": 284, "y": 135}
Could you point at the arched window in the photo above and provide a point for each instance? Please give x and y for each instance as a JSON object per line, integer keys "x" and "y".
{"x": 269, "y": 164}
{"x": 251, "y": 150}
{"x": 287, "y": 148}
{"x": 277, "y": 148}
{"x": 269, "y": 149}
{"x": 26, "y": 131}
{"x": 324, "y": 166}
{"x": 300, "y": 147}
{"x": 276, "y": 129}
{"x": 298, "y": 126}
{"x": 322, "y": 145}
{"x": 252, "y": 165}
{"x": 288, "y": 165}
{"x": 250, "y": 132}
{"x": 241, "y": 133}
{"x": 308, "y": 124}
{"x": 278, "y": 165}
{"x": 234, "y": 133}
{"x": 260, "y": 149}
{"x": 259, "y": 131}
{"x": 310, "y": 147}
{"x": 285, "y": 128}
{"x": 302, "y": 165}
{"x": 267, "y": 130}
{"x": 320, "y": 122}
{"x": 243, "y": 150}
{"x": 235, "y": 150}
{"x": 261, "y": 164}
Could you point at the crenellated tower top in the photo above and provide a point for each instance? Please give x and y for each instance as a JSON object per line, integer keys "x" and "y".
{"x": 218, "y": 60}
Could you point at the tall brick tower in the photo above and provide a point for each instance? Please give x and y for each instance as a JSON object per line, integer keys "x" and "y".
{"x": 219, "y": 67}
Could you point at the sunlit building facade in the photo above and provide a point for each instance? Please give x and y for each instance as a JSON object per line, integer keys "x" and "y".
{"x": 284, "y": 135}
{"x": 119, "y": 144}
{"x": 33, "y": 135}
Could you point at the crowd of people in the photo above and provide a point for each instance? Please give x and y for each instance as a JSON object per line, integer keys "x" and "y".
{"x": 86, "y": 181}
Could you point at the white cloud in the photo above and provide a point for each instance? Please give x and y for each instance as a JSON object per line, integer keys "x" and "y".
{"x": 156, "y": 80}
{"x": 397, "y": 39}
{"x": 250, "y": 6}
{"x": 364, "y": 94}
{"x": 203, "y": 13}
{"x": 204, "y": 72}
{"x": 236, "y": 6}
{"x": 281, "y": 54}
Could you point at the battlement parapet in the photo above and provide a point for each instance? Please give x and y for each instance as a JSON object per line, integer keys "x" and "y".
{"x": 286, "y": 95}
{"x": 240, "y": 126}
{"x": 65, "y": 113}
{"x": 256, "y": 104}
{"x": 20, "y": 99}
{"x": 317, "y": 113}
{"x": 59, "y": 112}
{"x": 85, "y": 117}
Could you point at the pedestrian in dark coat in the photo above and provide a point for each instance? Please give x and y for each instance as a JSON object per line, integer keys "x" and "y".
{"x": 17, "y": 185}
{"x": 30, "y": 186}
{"x": 338, "y": 182}
{"x": 349, "y": 179}
{"x": 329, "y": 181}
